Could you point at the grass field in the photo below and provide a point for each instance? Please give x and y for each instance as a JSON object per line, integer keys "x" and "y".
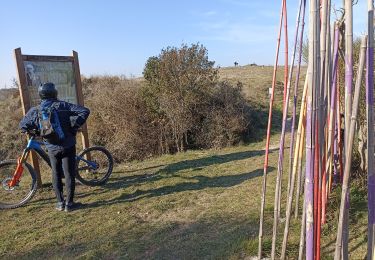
{"x": 193, "y": 205}
{"x": 200, "y": 204}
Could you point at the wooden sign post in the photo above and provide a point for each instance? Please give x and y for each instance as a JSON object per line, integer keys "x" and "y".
{"x": 63, "y": 71}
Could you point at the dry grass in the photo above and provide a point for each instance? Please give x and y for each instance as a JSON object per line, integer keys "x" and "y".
{"x": 256, "y": 81}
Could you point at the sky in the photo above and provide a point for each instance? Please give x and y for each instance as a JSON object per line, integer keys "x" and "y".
{"x": 116, "y": 37}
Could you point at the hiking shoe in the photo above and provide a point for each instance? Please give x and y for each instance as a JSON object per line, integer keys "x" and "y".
{"x": 60, "y": 206}
{"x": 72, "y": 206}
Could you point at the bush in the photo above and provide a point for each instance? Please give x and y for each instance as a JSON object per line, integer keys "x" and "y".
{"x": 124, "y": 119}
{"x": 119, "y": 118}
{"x": 11, "y": 139}
{"x": 227, "y": 120}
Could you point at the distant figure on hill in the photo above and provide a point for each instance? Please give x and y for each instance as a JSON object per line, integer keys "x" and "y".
{"x": 235, "y": 63}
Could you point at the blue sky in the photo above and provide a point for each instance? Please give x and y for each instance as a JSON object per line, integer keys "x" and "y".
{"x": 117, "y": 37}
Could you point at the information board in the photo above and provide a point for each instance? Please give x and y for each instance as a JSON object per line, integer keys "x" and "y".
{"x": 58, "y": 72}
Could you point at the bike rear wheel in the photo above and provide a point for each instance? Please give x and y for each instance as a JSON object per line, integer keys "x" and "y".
{"x": 94, "y": 166}
{"x": 20, "y": 194}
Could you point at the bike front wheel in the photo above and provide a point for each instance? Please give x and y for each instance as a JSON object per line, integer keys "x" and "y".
{"x": 23, "y": 191}
{"x": 94, "y": 166}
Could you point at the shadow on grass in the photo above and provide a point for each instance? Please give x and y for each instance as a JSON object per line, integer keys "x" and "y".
{"x": 193, "y": 183}
{"x": 171, "y": 169}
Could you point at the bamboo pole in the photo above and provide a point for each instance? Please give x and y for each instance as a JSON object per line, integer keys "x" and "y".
{"x": 339, "y": 133}
{"x": 285, "y": 50}
{"x": 285, "y": 87}
{"x": 299, "y": 175}
{"x": 312, "y": 82}
{"x": 265, "y": 168}
{"x": 332, "y": 112}
{"x": 320, "y": 125}
{"x": 341, "y": 244}
{"x": 316, "y": 188}
{"x": 302, "y": 233}
{"x": 299, "y": 150}
{"x": 348, "y": 98}
{"x": 277, "y": 204}
{"x": 302, "y": 5}
{"x": 370, "y": 133}
{"x": 325, "y": 102}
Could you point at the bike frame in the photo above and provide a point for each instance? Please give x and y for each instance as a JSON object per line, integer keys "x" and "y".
{"x": 36, "y": 146}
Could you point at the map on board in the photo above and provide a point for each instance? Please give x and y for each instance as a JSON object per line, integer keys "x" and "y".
{"x": 58, "y": 72}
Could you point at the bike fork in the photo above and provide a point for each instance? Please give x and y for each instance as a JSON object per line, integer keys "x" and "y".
{"x": 19, "y": 169}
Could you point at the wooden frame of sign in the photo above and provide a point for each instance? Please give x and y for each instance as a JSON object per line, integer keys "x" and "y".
{"x": 63, "y": 71}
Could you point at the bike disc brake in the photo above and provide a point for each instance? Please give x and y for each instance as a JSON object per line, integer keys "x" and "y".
{"x": 5, "y": 184}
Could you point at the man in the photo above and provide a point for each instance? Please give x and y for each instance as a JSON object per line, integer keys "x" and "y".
{"x": 62, "y": 152}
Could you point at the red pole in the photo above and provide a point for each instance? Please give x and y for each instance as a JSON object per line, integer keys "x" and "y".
{"x": 265, "y": 168}
{"x": 286, "y": 50}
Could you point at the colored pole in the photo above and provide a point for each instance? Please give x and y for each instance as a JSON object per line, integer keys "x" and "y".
{"x": 312, "y": 82}
{"x": 286, "y": 50}
{"x": 265, "y": 168}
{"x": 302, "y": 233}
{"x": 299, "y": 150}
{"x": 370, "y": 133}
{"x": 302, "y": 6}
{"x": 348, "y": 99}
{"x": 332, "y": 112}
{"x": 340, "y": 243}
{"x": 300, "y": 138}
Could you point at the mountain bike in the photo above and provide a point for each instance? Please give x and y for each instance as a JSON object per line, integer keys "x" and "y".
{"x": 18, "y": 178}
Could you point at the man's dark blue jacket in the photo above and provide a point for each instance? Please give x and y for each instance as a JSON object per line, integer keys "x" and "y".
{"x": 71, "y": 117}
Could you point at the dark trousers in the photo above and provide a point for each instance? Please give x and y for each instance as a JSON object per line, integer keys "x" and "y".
{"x": 63, "y": 163}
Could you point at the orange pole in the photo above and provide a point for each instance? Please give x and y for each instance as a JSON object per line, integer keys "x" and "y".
{"x": 286, "y": 50}
{"x": 265, "y": 168}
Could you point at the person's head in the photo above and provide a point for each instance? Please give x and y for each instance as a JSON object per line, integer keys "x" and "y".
{"x": 47, "y": 91}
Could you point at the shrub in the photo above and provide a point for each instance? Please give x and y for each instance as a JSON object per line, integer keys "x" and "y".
{"x": 11, "y": 139}
{"x": 119, "y": 119}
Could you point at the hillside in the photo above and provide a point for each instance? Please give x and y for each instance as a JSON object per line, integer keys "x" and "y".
{"x": 192, "y": 205}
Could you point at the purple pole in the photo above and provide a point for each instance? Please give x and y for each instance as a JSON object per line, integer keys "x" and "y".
{"x": 282, "y": 142}
{"x": 313, "y": 81}
{"x": 335, "y": 155}
{"x": 295, "y": 94}
{"x": 331, "y": 125}
{"x": 370, "y": 132}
